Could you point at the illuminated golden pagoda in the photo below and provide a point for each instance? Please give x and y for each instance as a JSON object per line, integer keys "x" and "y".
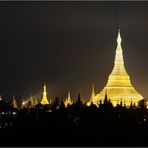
{"x": 44, "y": 100}
{"x": 68, "y": 100}
{"x": 119, "y": 86}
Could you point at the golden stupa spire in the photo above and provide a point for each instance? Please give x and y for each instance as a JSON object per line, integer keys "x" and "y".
{"x": 92, "y": 96}
{"x": 93, "y": 92}
{"x": 115, "y": 78}
{"x": 68, "y": 100}
{"x": 119, "y": 38}
{"x": 119, "y": 84}
{"x": 23, "y": 103}
{"x": 31, "y": 101}
{"x": 119, "y": 54}
{"x": 68, "y": 95}
{"x": 14, "y": 103}
{"x": 35, "y": 101}
{"x": 44, "y": 100}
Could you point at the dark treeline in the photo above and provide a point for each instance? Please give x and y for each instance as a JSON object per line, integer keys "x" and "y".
{"x": 75, "y": 125}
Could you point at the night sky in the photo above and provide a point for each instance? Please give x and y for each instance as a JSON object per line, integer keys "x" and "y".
{"x": 69, "y": 46}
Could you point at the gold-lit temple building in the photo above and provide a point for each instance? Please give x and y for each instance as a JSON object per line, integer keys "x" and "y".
{"x": 44, "y": 100}
{"x": 118, "y": 87}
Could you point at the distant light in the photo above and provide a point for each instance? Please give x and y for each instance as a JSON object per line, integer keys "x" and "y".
{"x": 14, "y": 113}
{"x": 3, "y": 113}
{"x": 146, "y": 104}
{"x": 23, "y": 103}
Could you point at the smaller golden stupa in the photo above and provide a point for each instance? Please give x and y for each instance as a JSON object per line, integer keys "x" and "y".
{"x": 44, "y": 100}
{"x": 68, "y": 100}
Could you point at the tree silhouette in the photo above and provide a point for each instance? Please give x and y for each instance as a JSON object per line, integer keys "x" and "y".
{"x": 62, "y": 105}
{"x": 79, "y": 102}
{"x": 55, "y": 104}
{"x": 142, "y": 104}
